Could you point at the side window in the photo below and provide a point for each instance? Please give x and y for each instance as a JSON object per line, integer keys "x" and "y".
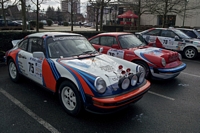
{"x": 23, "y": 45}
{"x": 95, "y": 41}
{"x": 154, "y": 32}
{"x": 35, "y": 45}
{"x": 108, "y": 41}
{"x": 167, "y": 33}
{"x": 191, "y": 34}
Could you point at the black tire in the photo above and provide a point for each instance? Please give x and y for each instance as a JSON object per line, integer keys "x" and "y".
{"x": 13, "y": 71}
{"x": 146, "y": 68}
{"x": 190, "y": 53}
{"x": 70, "y": 98}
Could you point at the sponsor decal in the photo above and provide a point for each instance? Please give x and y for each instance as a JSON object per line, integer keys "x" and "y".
{"x": 67, "y": 37}
{"x": 21, "y": 56}
{"x": 107, "y": 68}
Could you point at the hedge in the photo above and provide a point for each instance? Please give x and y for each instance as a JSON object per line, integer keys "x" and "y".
{"x": 7, "y": 37}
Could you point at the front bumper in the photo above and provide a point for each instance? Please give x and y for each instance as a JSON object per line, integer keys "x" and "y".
{"x": 167, "y": 73}
{"x": 112, "y": 104}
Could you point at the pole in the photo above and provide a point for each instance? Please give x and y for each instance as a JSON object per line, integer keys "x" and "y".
{"x": 184, "y": 13}
{"x": 37, "y": 23}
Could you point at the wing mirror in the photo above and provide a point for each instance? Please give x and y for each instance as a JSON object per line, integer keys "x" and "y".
{"x": 100, "y": 50}
{"x": 176, "y": 38}
{"x": 39, "y": 55}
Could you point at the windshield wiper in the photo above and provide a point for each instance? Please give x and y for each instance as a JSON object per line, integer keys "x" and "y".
{"x": 89, "y": 52}
{"x": 86, "y": 52}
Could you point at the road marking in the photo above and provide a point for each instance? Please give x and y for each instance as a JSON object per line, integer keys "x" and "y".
{"x": 191, "y": 74}
{"x": 166, "y": 97}
{"x": 29, "y": 112}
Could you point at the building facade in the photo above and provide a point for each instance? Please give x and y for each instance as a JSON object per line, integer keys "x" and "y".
{"x": 66, "y": 6}
{"x": 190, "y": 16}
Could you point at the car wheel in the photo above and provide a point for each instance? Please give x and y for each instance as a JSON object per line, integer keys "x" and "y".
{"x": 70, "y": 98}
{"x": 146, "y": 68}
{"x": 190, "y": 52}
{"x": 13, "y": 72}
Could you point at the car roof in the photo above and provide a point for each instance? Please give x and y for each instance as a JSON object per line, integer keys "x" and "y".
{"x": 114, "y": 33}
{"x": 184, "y": 29}
{"x": 41, "y": 34}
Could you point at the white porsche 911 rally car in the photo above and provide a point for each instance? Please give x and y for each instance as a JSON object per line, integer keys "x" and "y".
{"x": 67, "y": 64}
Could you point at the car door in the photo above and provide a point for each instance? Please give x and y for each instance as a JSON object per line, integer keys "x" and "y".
{"x": 22, "y": 57}
{"x": 166, "y": 40}
{"x": 34, "y": 65}
{"x": 151, "y": 35}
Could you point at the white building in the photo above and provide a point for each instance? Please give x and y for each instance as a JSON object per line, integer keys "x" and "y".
{"x": 192, "y": 17}
{"x": 66, "y": 6}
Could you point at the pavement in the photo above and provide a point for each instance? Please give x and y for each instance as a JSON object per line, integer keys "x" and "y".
{"x": 66, "y": 28}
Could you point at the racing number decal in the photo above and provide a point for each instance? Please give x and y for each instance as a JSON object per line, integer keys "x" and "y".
{"x": 116, "y": 53}
{"x": 112, "y": 54}
{"x": 165, "y": 42}
{"x": 31, "y": 67}
{"x": 35, "y": 68}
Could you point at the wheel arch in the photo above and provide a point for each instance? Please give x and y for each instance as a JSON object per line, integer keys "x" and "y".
{"x": 8, "y": 58}
{"x": 190, "y": 47}
{"x": 62, "y": 79}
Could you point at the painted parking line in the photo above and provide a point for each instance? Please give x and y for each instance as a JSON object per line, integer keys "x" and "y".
{"x": 191, "y": 74}
{"x": 29, "y": 112}
{"x": 163, "y": 96}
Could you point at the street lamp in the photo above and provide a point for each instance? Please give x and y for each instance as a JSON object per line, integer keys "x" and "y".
{"x": 186, "y": 1}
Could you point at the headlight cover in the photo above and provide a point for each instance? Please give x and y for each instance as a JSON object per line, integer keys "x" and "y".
{"x": 124, "y": 83}
{"x": 163, "y": 62}
{"x": 141, "y": 77}
{"x": 179, "y": 56}
{"x": 100, "y": 85}
{"x": 133, "y": 79}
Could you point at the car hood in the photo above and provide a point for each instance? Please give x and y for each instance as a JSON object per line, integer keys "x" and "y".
{"x": 151, "y": 54}
{"x": 99, "y": 66}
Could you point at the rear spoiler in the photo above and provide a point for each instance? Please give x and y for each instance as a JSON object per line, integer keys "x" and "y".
{"x": 15, "y": 42}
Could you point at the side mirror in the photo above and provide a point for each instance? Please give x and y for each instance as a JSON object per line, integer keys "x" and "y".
{"x": 39, "y": 55}
{"x": 176, "y": 38}
{"x": 115, "y": 46}
{"x": 100, "y": 50}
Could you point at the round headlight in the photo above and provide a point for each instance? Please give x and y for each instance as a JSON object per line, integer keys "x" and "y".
{"x": 134, "y": 80}
{"x": 124, "y": 83}
{"x": 179, "y": 56}
{"x": 100, "y": 85}
{"x": 163, "y": 61}
{"x": 141, "y": 77}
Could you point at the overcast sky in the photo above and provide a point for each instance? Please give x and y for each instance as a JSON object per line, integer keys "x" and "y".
{"x": 56, "y": 4}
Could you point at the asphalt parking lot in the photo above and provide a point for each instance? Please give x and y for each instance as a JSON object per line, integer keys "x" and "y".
{"x": 169, "y": 107}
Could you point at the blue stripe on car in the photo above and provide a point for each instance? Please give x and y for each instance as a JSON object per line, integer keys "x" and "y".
{"x": 16, "y": 58}
{"x": 79, "y": 84}
{"x": 173, "y": 70}
{"x": 53, "y": 68}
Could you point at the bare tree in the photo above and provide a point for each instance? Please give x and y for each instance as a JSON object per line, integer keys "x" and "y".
{"x": 99, "y": 4}
{"x": 37, "y": 3}
{"x": 165, "y": 7}
{"x": 4, "y": 4}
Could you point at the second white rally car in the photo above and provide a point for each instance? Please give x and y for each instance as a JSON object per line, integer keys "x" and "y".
{"x": 172, "y": 39}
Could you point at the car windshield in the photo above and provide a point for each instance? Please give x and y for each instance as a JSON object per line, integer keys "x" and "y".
{"x": 129, "y": 41}
{"x": 181, "y": 34}
{"x": 197, "y": 33}
{"x": 69, "y": 46}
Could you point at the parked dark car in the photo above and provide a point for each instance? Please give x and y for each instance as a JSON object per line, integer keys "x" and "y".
{"x": 9, "y": 23}
{"x": 190, "y": 32}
